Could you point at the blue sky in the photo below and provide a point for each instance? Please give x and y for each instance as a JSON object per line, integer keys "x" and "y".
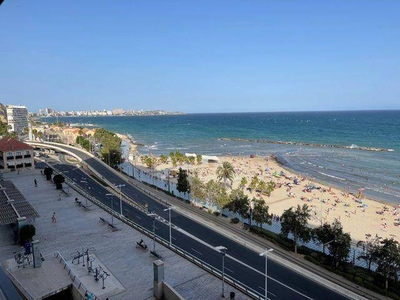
{"x": 200, "y": 56}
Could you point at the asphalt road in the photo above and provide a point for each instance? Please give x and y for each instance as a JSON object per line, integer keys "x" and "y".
{"x": 241, "y": 264}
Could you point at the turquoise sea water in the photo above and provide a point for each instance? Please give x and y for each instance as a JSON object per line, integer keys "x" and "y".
{"x": 330, "y": 146}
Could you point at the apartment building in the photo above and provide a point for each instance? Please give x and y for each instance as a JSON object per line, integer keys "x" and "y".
{"x": 17, "y": 118}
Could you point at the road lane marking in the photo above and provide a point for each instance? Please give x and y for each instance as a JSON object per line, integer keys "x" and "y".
{"x": 197, "y": 251}
{"x": 229, "y": 270}
{"x": 138, "y": 217}
{"x": 242, "y": 263}
{"x": 268, "y": 291}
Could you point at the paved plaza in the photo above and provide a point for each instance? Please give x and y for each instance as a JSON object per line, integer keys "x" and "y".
{"x": 130, "y": 269}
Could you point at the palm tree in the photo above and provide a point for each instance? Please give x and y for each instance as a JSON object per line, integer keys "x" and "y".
{"x": 163, "y": 159}
{"x": 262, "y": 186}
{"x": 243, "y": 183}
{"x": 270, "y": 187}
{"x": 254, "y": 183}
{"x": 225, "y": 172}
{"x": 295, "y": 222}
{"x": 35, "y": 133}
{"x": 199, "y": 159}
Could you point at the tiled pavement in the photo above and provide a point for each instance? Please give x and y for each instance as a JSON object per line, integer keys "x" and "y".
{"x": 131, "y": 269}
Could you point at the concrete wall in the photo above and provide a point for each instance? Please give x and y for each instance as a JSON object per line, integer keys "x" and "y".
{"x": 170, "y": 293}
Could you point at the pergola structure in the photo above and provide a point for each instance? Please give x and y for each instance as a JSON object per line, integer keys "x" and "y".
{"x": 13, "y": 205}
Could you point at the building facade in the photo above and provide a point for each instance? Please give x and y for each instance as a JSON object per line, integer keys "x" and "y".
{"x": 15, "y": 155}
{"x": 17, "y": 118}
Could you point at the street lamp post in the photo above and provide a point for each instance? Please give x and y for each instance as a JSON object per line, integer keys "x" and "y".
{"x": 112, "y": 208}
{"x": 86, "y": 190}
{"x": 265, "y": 253}
{"x": 170, "y": 224}
{"x": 120, "y": 197}
{"x": 154, "y": 231}
{"x": 251, "y": 211}
{"x": 222, "y": 250}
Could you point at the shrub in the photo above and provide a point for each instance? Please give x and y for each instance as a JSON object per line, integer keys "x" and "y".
{"x": 234, "y": 220}
{"x": 311, "y": 259}
{"x": 26, "y": 233}
{"x": 358, "y": 280}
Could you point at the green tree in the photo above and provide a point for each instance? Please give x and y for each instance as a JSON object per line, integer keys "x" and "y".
{"x": 58, "y": 181}
{"x": 243, "y": 183}
{"x": 48, "y": 172}
{"x": 163, "y": 159}
{"x": 270, "y": 187}
{"x": 260, "y": 213}
{"x": 226, "y": 172}
{"x": 216, "y": 193}
{"x": 191, "y": 160}
{"x": 336, "y": 241}
{"x": 238, "y": 203}
{"x": 295, "y": 222}
{"x": 388, "y": 259}
{"x": 34, "y": 133}
{"x": 40, "y": 135}
{"x": 183, "y": 185}
{"x": 26, "y": 233}
{"x": 262, "y": 186}
{"x": 369, "y": 245}
{"x": 197, "y": 187}
{"x": 254, "y": 182}
{"x": 199, "y": 159}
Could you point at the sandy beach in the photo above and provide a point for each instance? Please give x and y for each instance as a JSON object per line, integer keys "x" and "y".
{"x": 359, "y": 216}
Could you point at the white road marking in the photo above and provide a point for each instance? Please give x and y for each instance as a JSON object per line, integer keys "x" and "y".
{"x": 138, "y": 217}
{"x": 197, "y": 251}
{"x": 268, "y": 291}
{"x": 229, "y": 270}
{"x": 242, "y": 263}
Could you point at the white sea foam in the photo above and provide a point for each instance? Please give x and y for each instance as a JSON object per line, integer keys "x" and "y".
{"x": 339, "y": 178}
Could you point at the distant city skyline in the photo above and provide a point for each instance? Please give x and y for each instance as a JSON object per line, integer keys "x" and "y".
{"x": 201, "y": 57}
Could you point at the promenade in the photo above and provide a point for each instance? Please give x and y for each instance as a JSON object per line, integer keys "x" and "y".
{"x": 130, "y": 269}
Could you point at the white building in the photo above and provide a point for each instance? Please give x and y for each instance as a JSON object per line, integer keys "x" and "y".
{"x": 17, "y": 118}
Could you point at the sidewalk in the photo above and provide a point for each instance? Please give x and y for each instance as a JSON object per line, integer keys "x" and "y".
{"x": 130, "y": 269}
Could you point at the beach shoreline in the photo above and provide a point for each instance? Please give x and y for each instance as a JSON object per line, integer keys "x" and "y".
{"x": 359, "y": 217}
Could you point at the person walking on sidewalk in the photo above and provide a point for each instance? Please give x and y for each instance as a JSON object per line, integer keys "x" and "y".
{"x": 54, "y": 218}
{"x": 35, "y": 181}
{"x": 59, "y": 197}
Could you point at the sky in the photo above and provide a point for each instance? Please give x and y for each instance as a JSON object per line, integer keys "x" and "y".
{"x": 200, "y": 56}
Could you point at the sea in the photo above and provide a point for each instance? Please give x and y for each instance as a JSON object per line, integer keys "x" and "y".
{"x": 351, "y": 150}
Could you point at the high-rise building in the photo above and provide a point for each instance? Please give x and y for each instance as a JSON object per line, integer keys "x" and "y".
{"x": 17, "y": 118}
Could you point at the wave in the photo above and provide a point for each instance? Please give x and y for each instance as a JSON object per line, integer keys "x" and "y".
{"x": 335, "y": 177}
{"x": 352, "y": 146}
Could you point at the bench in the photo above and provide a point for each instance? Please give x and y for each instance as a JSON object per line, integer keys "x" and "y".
{"x": 142, "y": 245}
{"x": 114, "y": 228}
{"x": 156, "y": 254}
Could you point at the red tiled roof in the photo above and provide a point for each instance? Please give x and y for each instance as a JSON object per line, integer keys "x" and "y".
{"x": 9, "y": 144}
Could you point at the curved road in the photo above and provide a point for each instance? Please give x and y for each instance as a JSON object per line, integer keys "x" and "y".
{"x": 241, "y": 264}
